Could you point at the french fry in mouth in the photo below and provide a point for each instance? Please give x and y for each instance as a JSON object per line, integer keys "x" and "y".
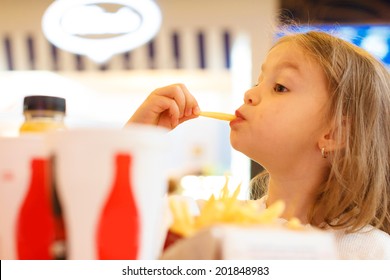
{"x": 218, "y": 116}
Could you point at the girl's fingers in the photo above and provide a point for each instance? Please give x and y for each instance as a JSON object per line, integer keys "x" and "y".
{"x": 167, "y": 106}
{"x": 174, "y": 92}
{"x": 186, "y": 103}
{"x": 191, "y": 105}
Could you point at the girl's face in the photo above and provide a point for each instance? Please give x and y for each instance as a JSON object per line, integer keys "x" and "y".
{"x": 282, "y": 117}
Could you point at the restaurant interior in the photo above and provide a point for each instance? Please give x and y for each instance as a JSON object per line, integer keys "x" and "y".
{"x": 213, "y": 47}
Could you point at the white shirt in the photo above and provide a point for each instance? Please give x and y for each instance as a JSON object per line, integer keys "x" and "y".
{"x": 368, "y": 243}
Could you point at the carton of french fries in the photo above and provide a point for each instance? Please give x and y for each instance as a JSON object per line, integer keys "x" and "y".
{"x": 228, "y": 228}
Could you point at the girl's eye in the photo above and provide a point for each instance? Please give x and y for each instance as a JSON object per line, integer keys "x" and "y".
{"x": 280, "y": 88}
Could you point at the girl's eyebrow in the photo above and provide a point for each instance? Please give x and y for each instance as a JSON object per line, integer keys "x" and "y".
{"x": 284, "y": 64}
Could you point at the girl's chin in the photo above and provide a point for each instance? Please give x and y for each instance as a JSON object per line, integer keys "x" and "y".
{"x": 233, "y": 141}
{"x": 235, "y": 144}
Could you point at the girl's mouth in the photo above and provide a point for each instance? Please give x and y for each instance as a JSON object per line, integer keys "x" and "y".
{"x": 239, "y": 115}
{"x": 239, "y": 118}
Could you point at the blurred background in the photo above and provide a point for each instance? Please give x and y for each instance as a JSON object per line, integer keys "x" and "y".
{"x": 214, "y": 47}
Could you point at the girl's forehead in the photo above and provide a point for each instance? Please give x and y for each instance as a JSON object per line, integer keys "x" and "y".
{"x": 287, "y": 54}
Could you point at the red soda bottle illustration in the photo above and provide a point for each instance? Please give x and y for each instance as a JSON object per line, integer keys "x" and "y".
{"x": 35, "y": 224}
{"x": 118, "y": 228}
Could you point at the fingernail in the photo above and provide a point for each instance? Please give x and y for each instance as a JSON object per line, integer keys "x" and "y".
{"x": 196, "y": 111}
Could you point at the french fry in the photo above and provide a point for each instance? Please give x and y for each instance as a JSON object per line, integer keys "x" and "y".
{"x": 219, "y": 116}
{"x": 183, "y": 222}
{"x": 295, "y": 224}
{"x": 225, "y": 190}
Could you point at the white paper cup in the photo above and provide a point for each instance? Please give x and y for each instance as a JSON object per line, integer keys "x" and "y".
{"x": 26, "y": 221}
{"x": 111, "y": 184}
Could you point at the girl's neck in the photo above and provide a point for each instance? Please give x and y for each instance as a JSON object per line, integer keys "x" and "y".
{"x": 298, "y": 195}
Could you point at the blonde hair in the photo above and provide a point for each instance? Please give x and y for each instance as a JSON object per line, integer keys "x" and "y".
{"x": 357, "y": 191}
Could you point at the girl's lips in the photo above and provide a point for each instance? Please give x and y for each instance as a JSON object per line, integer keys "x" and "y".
{"x": 239, "y": 115}
{"x": 239, "y": 118}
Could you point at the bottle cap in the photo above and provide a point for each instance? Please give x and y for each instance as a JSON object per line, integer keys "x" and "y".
{"x": 41, "y": 102}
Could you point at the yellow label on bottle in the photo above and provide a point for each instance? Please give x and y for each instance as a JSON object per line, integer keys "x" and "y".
{"x": 41, "y": 126}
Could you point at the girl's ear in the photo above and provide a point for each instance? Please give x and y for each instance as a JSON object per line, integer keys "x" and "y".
{"x": 332, "y": 138}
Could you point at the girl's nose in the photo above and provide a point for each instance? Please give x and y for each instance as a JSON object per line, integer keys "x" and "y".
{"x": 250, "y": 97}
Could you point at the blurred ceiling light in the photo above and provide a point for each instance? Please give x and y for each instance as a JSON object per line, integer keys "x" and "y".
{"x": 85, "y": 27}
{"x": 99, "y": 22}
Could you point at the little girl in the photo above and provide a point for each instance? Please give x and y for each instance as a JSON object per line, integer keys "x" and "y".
{"x": 318, "y": 121}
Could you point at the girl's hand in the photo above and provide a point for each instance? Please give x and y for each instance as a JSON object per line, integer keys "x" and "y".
{"x": 167, "y": 107}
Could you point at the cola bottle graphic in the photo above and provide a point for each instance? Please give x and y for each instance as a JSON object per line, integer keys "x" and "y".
{"x": 118, "y": 227}
{"x": 35, "y": 224}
